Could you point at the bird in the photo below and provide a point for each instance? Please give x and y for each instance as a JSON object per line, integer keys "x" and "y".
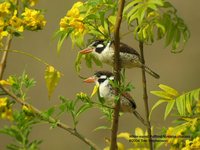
{"x": 107, "y": 91}
{"x": 129, "y": 57}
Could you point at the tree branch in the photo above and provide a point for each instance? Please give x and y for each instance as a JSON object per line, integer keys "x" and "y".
{"x": 5, "y": 56}
{"x": 117, "y": 69}
{"x": 50, "y": 119}
{"x": 145, "y": 95}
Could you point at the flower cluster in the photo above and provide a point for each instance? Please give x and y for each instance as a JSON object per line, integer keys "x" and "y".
{"x": 16, "y": 23}
{"x": 73, "y": 20}
{"x": 12, "y": 22}
{"x": 5, "y": 109}
{"x": 5, "y": 8}
{"x": 193, "y": 144}
{"x": 32, "y": 2}
{"x": 33, "y": 19}
{"x": 83, "y": 97}
{"x": 174, "y": 134}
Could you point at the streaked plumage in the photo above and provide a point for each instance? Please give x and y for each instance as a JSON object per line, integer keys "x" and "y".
{"x": 106, "y": 91}
{"x": 104, "y": 51}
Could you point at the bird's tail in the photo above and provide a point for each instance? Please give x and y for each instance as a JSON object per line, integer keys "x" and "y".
{"x": 151, "y": 72}
{"x": 139, "y": 117}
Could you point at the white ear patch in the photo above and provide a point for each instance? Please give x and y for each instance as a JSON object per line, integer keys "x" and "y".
{"x": 111, "y": 78}
{"x": 100, "y": 45}
{"x": 103, "y": 77}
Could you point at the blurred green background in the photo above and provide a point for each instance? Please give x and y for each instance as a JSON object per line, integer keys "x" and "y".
{"x": 181, "y": 71}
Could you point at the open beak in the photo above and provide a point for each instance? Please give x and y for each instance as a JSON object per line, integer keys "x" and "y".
{"x": 90, "y": 80}
{"x": 87, "y": 50}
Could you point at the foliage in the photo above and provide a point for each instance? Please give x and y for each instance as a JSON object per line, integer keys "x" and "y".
{"x": 184, "y": 103}
{"x": 22, "y": 120}
{"x": 156, "y": 19}
{"x": 187, "y": 110}
{"x": 15, "y": 18}
{"x": 147, "y": 20}
{"x": 20, "y": 86}
{"x": 74, "y": 107}
{"x": 20, "y": 132}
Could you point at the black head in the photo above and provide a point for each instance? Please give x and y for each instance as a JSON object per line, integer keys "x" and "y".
{"x": 104, "y": 75}
{"x": 99, "y": 45}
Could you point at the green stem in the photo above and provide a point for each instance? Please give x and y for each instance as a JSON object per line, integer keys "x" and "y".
{"x": 29, "y": 55}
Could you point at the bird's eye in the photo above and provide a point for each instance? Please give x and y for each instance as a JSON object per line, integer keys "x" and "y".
{"x": 100, "y": 80}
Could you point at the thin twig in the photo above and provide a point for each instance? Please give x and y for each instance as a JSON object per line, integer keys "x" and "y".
{"x": 117, "y": 69}
{"x": 50, "y": 119}
{"x": 145, "y": 95}
{"x": 27, "y": 54}
{"x": 5, "y": 56}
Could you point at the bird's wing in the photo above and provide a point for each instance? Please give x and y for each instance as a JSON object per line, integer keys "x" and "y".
{"x": 129, "y": 97}
{"x": 127, "y": 49}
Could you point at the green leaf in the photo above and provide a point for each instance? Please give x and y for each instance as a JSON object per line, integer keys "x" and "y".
{"x": 180, "y": 104}
{"x": 131, "y": 4}
{"x": 176, "y": 41}
{"x": 133, "y": 12}
{"x": 169, "y": 90}
{"x": 83, "y": 109}
{"x": 112, "y": 19}
{"x": 156, "y": 2}
{"x": 170, "y": 33}
{"x": 78, "y": 62}
{"x": 62, "y": 36}
{"x": 156, "y": 105}
{"x": 162, "y": 94}
{"x": 102, "y": 127}
{"x": 188, "y": 103}
{"x": 49, "y": 112}
{"x": 52, "y": 77}
{"x": 169, "y": 108}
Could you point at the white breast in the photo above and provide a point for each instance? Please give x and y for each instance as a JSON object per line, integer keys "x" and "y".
{"x": 106, "y": 92}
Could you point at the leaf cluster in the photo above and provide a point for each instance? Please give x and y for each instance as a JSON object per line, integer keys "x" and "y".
{"x": 75, "y": 107}
{"x": 184, "y": 104}
{"x": 21, "y": 84}
{"x": 20, "y": 132}
{"x": 156, "y": 19}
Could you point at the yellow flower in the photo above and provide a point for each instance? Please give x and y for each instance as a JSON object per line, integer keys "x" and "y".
{"x": 7, "y": 114}
{"x": 3, "y": 102}
{"x": 10, "y": 80}
{"x": 77, "y": 4}
{"x": 193, "y": 144}
{"x": 33, "y": 19}
{"x": 16, "y": 22}
{"x": 32, "y": 2}
{"x": 27, "y": 109}
{"x": 74, "y": 11}
{"x": 4, "y": 8}
{"x": 73, "y": 19}
{"x": 4, "y": 82}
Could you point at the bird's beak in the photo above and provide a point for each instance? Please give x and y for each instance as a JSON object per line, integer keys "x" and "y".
{"x": 90, "y": 80}
{"x": 87, "y": 50}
